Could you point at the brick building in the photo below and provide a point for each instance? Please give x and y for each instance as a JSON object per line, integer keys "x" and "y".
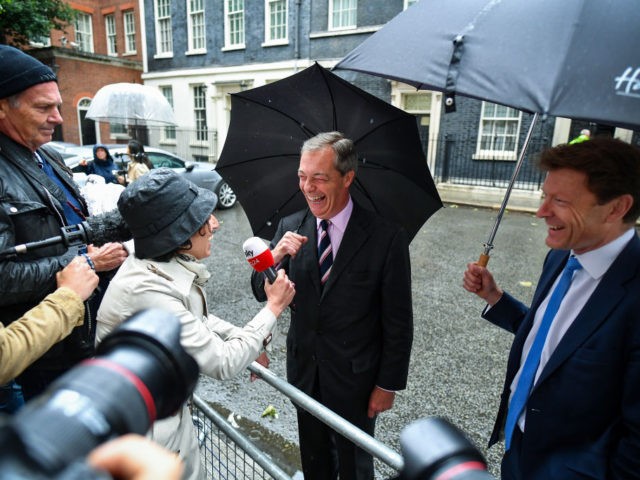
{"x": 103, "y": 46}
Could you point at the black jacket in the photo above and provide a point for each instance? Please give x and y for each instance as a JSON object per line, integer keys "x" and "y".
{"x": 357, "y": 331}
{"x": 31, "y": 210}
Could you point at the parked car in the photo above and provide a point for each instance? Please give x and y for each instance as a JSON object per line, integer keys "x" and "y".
{"x": 200, "y": 173}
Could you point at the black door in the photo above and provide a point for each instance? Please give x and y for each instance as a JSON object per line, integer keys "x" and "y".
{"x": 87, "y": 128}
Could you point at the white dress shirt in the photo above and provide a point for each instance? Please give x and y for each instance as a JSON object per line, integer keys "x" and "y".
{"x": 595, "y": 264}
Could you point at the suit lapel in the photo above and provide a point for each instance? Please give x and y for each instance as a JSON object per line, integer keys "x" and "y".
{"x": 552, "y": 268}
{"x": 355, "y": 235}
{"x": 309, "y": 252}
{"x": 610, "y": 291}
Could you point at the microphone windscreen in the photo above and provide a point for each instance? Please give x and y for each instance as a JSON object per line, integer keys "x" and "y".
{"x": 257, "y": 254}
{"x": 107, "y": 227}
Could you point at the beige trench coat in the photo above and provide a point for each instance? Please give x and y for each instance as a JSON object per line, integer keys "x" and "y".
{"x": 221, "y": 349}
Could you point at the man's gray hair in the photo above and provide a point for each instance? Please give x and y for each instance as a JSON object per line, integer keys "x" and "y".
{"x": 346, "y": 158}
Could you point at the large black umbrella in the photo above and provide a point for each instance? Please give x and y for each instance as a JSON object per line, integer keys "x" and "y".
{"x": 570, "y": 58}
{"x": 269, "y": 124}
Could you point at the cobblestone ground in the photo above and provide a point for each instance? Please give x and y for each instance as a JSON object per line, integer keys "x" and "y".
{"x": 458, "y": 359}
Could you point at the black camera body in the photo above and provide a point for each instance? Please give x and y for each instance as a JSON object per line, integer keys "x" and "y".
{"x": 141, "y": 373}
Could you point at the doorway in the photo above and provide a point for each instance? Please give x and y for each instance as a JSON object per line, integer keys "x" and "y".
{"x": 87, "y": 126}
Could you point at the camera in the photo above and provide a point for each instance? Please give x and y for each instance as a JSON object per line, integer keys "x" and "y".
{"x": 434, "y": 449}
{"x": 141, "y": 373}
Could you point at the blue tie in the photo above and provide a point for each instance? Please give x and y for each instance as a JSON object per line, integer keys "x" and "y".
{"x": 530, "y": 367}
{"x": 325, "y": 253}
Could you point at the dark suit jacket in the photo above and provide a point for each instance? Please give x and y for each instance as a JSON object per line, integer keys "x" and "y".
{"x": 583, "y": 416}
{"x": 357, "y": 331}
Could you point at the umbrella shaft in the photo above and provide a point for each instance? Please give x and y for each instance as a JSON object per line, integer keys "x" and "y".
{"x": 489, "y": 244}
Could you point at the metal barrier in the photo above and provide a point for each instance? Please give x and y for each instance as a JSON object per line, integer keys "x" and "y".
{"x": 225, "y": 452}
{"x": 228, "y": 454}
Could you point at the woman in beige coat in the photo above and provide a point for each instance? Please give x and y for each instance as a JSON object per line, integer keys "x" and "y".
{"x": 139, "y": 164}
{"x": 172, "y": 224}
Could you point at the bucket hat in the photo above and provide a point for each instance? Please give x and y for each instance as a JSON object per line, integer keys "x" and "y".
{"x": 163, "y": 210}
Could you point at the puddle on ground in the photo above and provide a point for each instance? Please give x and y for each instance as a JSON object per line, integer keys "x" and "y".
{"x": 283, "y": 452}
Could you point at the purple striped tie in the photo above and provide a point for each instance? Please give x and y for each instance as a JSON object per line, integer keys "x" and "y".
{"x": 325, "y": 253}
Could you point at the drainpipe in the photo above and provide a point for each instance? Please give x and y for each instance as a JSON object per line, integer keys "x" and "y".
{"x": 296, "y": 51}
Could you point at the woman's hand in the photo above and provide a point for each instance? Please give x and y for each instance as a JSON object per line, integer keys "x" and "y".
{"x": 262, "y": 360}
{"x": 280, "y": 293}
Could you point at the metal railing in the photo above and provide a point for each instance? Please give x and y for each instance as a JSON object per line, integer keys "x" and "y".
{"x": 228, "y": 454}
{"x": 458, "y": 163}
{"x": 188, "y": 143}
{"x": 225, "y": 452}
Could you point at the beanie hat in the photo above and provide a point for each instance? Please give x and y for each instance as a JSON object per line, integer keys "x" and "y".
{"x": 21, "y": 71}
{"x": 163, "y": 210}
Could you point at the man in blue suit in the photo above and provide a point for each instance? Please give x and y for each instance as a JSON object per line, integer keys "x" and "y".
{"x": 578, "y": 415}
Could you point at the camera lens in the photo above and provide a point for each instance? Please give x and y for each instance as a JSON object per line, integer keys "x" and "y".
{"x": 433, "y": 448}
{"x": 141, "y": 374}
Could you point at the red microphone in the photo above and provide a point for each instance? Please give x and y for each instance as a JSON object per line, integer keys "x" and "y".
{"x": 260, "y": 257}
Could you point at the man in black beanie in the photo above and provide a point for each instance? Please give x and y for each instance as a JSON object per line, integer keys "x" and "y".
{"x": 38, "y": 198}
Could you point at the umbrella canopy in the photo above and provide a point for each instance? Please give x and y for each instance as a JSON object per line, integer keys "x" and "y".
{"x": 269, "y": 124}
{"x": 571, "y": 58}
{"x": 131, "y": 104}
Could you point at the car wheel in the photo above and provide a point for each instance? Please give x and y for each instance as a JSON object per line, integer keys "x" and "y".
{"x": 226, "y": 196}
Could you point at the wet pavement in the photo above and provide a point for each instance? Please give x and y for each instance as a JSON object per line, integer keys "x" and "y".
{"x": 458, "y": 360}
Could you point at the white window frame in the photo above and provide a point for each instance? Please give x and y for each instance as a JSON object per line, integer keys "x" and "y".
{"x": 168, "y": 132}
{"x": 110, "y": 32}
{"x": 273, "y": 9}
{"x": 346, "y": 11}
{"x": 84, "y": 32}
{"x": 498, "y": 132}
{"x": 129, "y": 20}
{"x": 164, "y": 28}
{"x": 197, "y": 39}
{"x": 200, "y": 112}
{"x": 234, "y": 38}
{"x": 41, "y": 41}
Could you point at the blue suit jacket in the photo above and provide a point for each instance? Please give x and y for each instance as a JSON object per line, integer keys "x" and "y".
{"x": 583, "y": 415}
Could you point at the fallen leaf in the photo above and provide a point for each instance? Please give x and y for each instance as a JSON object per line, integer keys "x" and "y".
{"x": 270, "y": 411}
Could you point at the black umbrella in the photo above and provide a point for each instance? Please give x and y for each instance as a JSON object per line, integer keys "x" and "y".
{"x": 570, "y": 58}
{"x": 269, "y": 124}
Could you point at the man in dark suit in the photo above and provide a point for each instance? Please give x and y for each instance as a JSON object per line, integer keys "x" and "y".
{"x": 351, "y": 329}
{"x": 578, "y": 415}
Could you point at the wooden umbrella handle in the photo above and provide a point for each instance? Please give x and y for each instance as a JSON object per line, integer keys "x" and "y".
{"x": 483, "y": 261}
